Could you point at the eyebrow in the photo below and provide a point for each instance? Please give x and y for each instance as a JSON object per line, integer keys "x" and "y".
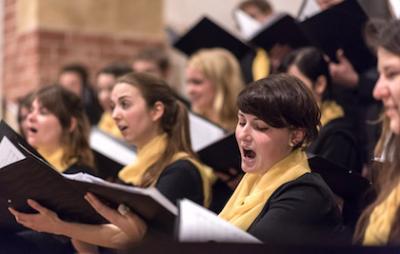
{"x": 123, "y": 97}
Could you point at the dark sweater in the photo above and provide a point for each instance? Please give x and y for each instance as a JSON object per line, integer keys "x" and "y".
{"x": 302, "y": 211}
{"x": 181, "y": 179}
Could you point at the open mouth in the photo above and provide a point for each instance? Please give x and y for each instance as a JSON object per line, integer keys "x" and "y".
{"x": 122, "y": 128}
{"x": 249, "y": 154}
{"x": 34, "y": 130}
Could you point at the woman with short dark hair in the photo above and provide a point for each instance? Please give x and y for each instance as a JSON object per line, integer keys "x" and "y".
{"x": 279, "y": 200}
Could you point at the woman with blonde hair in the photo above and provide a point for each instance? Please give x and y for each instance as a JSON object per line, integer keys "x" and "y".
{"x": 214, "y": 80}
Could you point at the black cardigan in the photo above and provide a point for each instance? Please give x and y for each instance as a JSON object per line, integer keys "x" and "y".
{"x": 302, "y": 211}
{"x": 181, "y": 179}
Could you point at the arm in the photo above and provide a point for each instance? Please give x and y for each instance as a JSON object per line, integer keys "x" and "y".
{"x": 107, "y": 235}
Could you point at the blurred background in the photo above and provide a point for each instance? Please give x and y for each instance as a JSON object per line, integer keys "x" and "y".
{"x": 40, "y": 36}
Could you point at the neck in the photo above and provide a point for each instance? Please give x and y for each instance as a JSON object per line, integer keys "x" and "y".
{"x": 49, "y": 149}
{"x": 142, "y": 143}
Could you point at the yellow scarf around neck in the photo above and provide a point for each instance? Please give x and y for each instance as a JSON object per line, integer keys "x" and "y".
{"x": 254, "y": 190}
{"x": 108, "y": 125}
{"x": 152, "y": 152}
{"x": 261, "y": 66}
{"x": 330, "y": 110}
{"x": 55, "y": 159}
{"x": 382, "y": 219}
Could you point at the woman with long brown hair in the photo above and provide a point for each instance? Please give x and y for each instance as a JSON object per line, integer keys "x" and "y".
{"x": 380, "y": 222}
{"x": 58, "y": 128}
{"x": 150, "y": 117}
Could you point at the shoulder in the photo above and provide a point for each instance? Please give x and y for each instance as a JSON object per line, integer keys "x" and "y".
{"x": 342, "y": 125}
{"x": 301, "y": 211}
{"x": 181, "y": 167}
{"x": 306, "y": 186}
{"x": 181, "y": 179}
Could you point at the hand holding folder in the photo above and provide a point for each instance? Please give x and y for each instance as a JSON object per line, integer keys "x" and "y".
{"x": 24, "y": 175}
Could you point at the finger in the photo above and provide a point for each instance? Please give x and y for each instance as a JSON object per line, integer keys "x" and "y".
{"x": 35, "y": 205}
{"x": 19, "y": 217}
{"x": 105, "y": 211}
{"x": 13, "y": 211}
{"x": 340, "y": 55}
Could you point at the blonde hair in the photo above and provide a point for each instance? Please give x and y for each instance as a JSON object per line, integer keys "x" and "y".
{"x": 223, "y": 70}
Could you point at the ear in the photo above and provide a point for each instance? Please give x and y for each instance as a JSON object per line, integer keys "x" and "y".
{"x": 73, "y": 124}
{"x": 296, "y": 137}
{"x": 157, "y": 111}
{"x": 320, "y": 85}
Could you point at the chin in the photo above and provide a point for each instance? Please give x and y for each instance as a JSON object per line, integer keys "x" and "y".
{"x": 249, "y": 169}
{"x": 395, "y": 129}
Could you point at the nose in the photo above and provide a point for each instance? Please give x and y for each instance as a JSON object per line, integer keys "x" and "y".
{"x": 116, "y": 113}
{"x": 243, "y": 133}
{"x": 30, "y": 117}
{"x": 381, "y": 90}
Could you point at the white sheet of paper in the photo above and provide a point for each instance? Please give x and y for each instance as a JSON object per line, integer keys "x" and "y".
{"x": 9, "y": 153}
{"x": 197, "y": 224}
{"x": 203, "y": 132}
{"x": 110, "y": 148}
{"x": 248, "y": 25}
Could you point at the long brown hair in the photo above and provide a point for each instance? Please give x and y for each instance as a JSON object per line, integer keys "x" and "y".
{"x": 386, "y": 35}
{"x": 174, "y": 121}
{"x": 66, "y": 105}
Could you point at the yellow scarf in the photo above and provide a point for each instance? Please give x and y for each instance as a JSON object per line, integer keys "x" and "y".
{"x": 330, "y": 110}
{"x": 260, "y": 66}
{"x": 254, "y": 190}
{"x": 381, "y": 219}
{"x": 152, "y": 152}
{"x": 107, "y": 124}
{"x": 55, "y": 159}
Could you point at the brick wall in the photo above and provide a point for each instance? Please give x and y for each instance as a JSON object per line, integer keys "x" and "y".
{"x": 33, "y": 58}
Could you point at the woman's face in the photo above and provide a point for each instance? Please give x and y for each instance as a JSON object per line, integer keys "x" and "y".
{"x": 260, "y": 145}
{"x": 71, "y": 81}
{"x": 132, "y": 116}
{"x": 105, "y": 83}
{"x": 201, "y": 91}
{"x": 387, "y": 88}
{"x": 44, "y": 130}
{"x": 147, "y": 66}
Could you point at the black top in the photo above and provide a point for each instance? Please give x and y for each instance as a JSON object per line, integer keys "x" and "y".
{"x": 181, "y": 179}
{"x": 338, "y": 143}
{"x": 302, "y": 211}
{"x": 78, "y": 168}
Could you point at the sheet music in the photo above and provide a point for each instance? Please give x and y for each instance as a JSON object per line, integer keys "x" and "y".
{"x": 9, "y": 153}
{"x": 109, "y": 147}
{"x": 197, "y": 224}
{"x": 203, "y": 132}
{"x": 151, "y": 191}
{"x": 248, "y": 25}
